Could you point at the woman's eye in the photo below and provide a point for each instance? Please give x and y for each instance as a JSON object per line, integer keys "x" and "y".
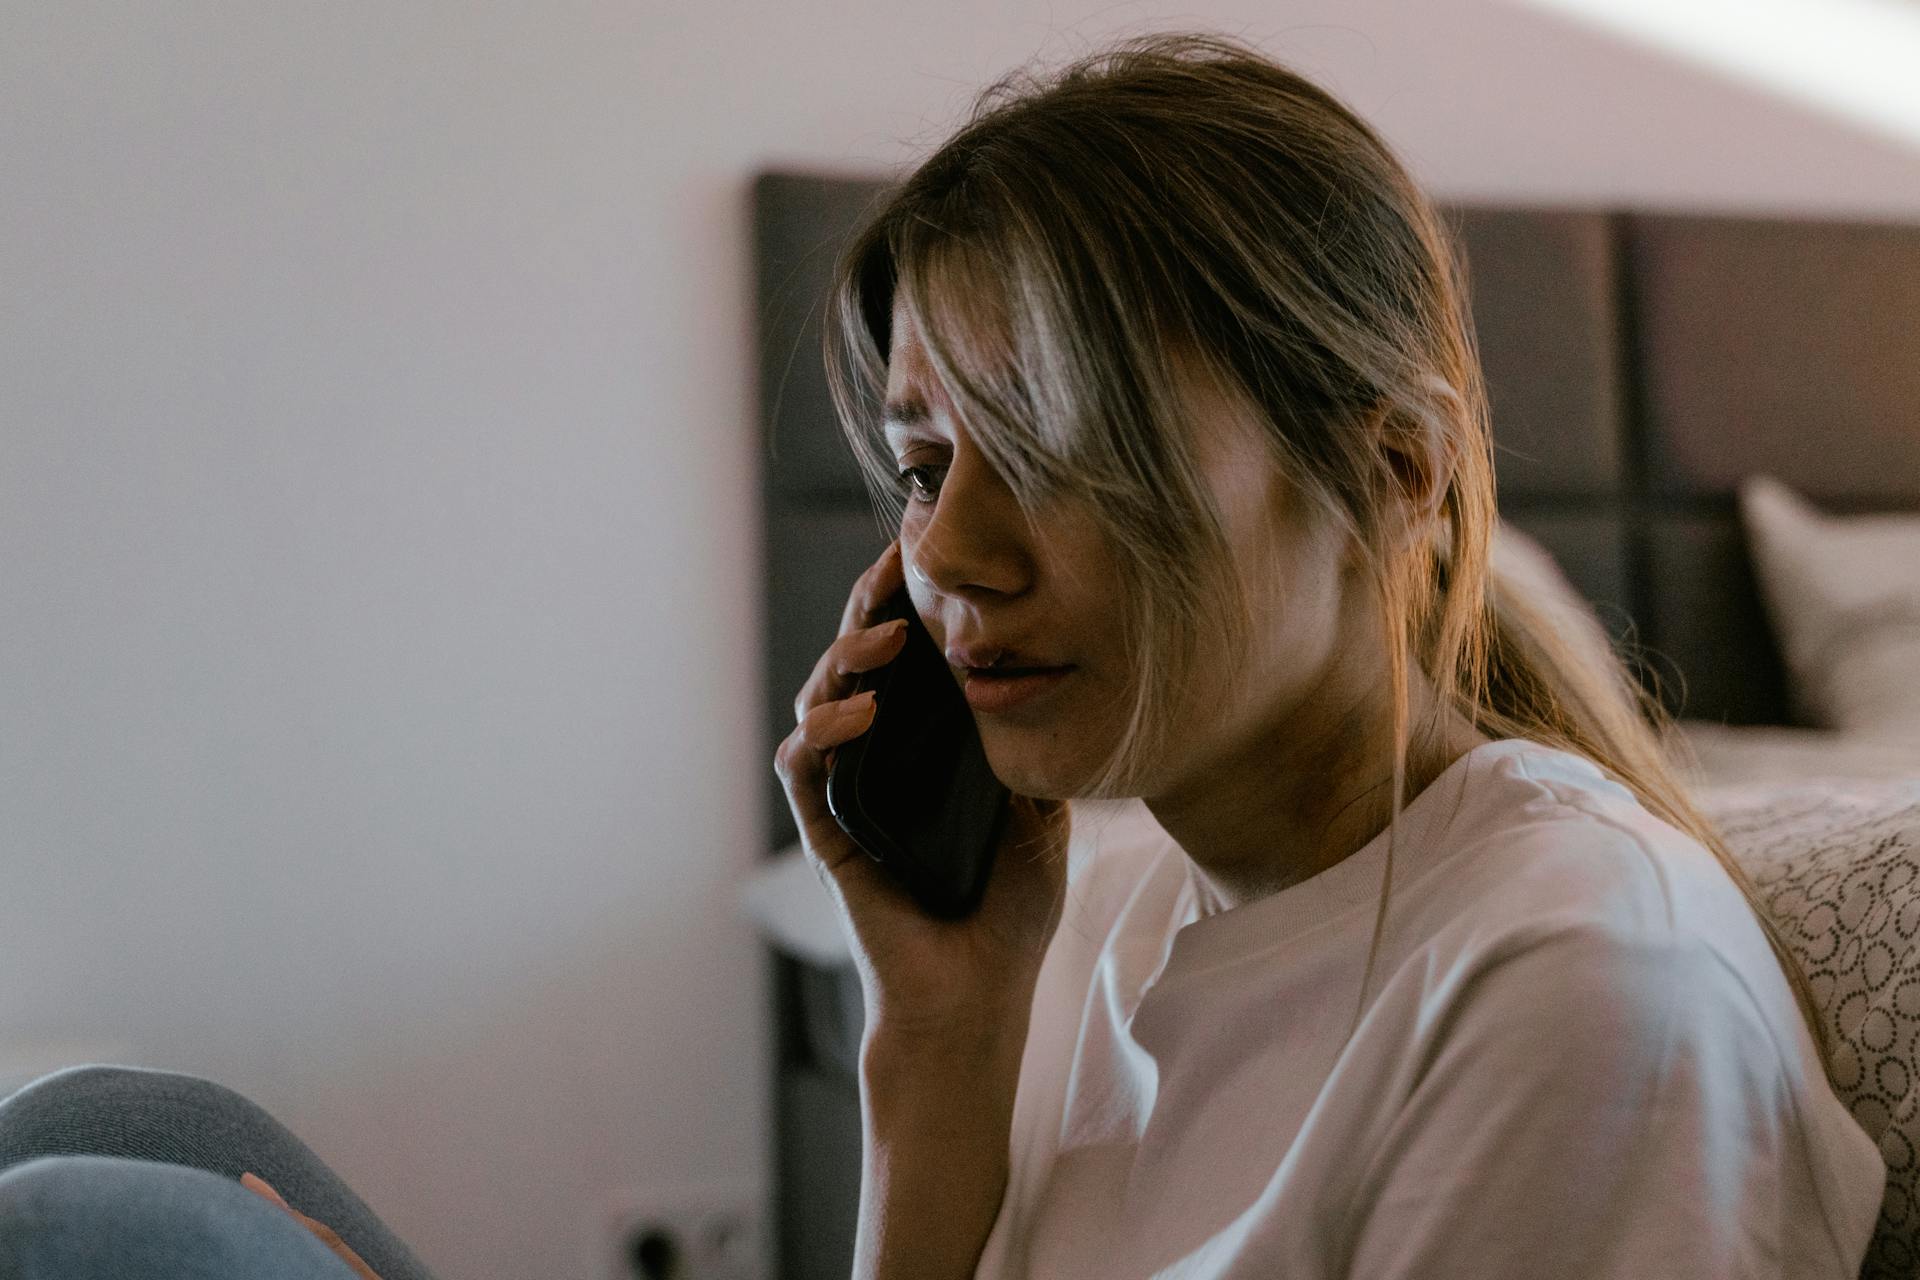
{"x": 912, "y": 480}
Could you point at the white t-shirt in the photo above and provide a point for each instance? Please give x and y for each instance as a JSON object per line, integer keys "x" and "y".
{"x": 1579, "y": 1060}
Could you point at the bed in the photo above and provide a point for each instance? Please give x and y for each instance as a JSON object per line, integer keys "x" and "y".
{"x": 1642, "y": 365}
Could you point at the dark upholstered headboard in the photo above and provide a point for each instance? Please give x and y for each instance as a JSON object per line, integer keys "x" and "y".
{"x": 1640, "y": 365}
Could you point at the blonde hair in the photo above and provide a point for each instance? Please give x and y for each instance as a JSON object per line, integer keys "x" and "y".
{"x": 1083, "y": 238}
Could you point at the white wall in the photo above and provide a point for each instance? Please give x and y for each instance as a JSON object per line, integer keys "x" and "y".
{"x": 379, "y": 597}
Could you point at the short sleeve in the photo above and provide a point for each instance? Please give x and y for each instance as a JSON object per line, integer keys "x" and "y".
{"x": 1594, "y": 1107}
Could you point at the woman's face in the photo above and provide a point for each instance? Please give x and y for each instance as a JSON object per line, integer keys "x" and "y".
{"x": 983, "y": 580}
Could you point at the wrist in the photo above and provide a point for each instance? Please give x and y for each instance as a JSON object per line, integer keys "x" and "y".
{"x": 981, "y": 1030}
{"x": 962, "y": 1083}
{"x": 936, "y": 1126}
{"x": 946, "y": 1049}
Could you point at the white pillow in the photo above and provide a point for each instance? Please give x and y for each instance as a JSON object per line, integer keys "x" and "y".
{"x": 1843, "y": 594}
{"x": 1522, "y": 568}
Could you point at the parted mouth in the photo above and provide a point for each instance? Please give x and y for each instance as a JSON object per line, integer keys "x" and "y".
{"x": 998, "y": 660}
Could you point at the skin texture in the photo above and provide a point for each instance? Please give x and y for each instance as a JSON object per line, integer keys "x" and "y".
{"x": 1265, "y": 792}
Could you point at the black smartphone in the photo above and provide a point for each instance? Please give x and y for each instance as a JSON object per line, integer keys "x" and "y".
{"x": 915, "y": 791}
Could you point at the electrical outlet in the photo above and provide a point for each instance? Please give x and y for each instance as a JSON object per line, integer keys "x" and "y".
{"x": 692, "y": 1231}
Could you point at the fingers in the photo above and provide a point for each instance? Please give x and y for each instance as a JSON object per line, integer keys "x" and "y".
{"x": 826, "y": 716}
{"x": 849, "y": 655}
{"x": 801, "y": 763}
{"x": 801, "y": 758}
{"x": 882, "y": 578}
{"x": 863, "y": 642}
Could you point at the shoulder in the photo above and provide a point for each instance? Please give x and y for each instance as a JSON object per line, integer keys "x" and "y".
{"x": 1621, "y": 1041}
{"x": 1544, "y": 842}
{"x": 1603, "y": 1005}
{"x": 1581, "y": 1084}
{"x": 1568, "y": 914}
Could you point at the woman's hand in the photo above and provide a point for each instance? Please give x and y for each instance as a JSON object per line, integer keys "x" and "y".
{"x": 947, "y": 1000}
{"x": 938, "y": 983}
{"x": 328, "y": 1236}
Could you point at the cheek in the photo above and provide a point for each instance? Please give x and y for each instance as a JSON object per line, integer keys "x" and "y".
{"x": 918, "y": 587}
{"x": 909, "y": 551}
{"x": 1297, "y": 623}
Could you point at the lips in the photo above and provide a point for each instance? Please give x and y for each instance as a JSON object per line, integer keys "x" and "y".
{"x": 1004, "y": 689}
{"x": 997, "y": 659}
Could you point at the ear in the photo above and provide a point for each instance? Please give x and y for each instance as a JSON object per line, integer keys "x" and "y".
{"x": 1415, "y": 471}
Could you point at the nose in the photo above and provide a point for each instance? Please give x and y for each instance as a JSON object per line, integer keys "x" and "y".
{"x": 967, "y": 545}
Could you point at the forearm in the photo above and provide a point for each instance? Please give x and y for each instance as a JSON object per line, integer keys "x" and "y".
{"x": 935, "y": 1128}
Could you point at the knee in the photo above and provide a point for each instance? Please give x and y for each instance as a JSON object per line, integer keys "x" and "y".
{"x": 50, "y": 1191}
{"x": 90, "y": 1081}
{"x": 88, "y": 1215}
{"x": 88, "y": 1087}
{"x": 50, "y": 1196}
{"x": 119, "y": 1111}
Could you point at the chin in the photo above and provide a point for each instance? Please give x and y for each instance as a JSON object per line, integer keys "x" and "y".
{"x": 1026, "y": 770}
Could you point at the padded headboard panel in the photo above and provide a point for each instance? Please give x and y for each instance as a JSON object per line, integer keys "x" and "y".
{"x": 1760, "y": 346}
{"x": 1552, "y": 362}
{"x": 1638, "y": 365}
{"x": 1784, "y": 347}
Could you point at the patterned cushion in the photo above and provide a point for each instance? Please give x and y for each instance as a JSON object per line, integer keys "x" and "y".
{"x": 1837, "y": 863}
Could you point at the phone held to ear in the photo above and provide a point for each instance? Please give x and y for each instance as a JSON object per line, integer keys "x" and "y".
{"x": 915, "y": 790}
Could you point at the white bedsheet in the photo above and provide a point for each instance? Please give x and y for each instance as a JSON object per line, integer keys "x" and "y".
{"x": 1730, "y": 755}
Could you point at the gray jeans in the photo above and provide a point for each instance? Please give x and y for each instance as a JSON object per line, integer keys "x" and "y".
{"x": 115, "y": 1172}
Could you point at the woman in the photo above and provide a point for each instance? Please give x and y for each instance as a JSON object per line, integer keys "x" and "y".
{"x": 1161, "y": 370}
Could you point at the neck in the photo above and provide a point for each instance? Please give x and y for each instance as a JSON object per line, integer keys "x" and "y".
{"x": 1302, "y": 792}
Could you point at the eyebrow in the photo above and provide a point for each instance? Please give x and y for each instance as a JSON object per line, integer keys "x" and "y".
{"x": 907, "y": 411}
